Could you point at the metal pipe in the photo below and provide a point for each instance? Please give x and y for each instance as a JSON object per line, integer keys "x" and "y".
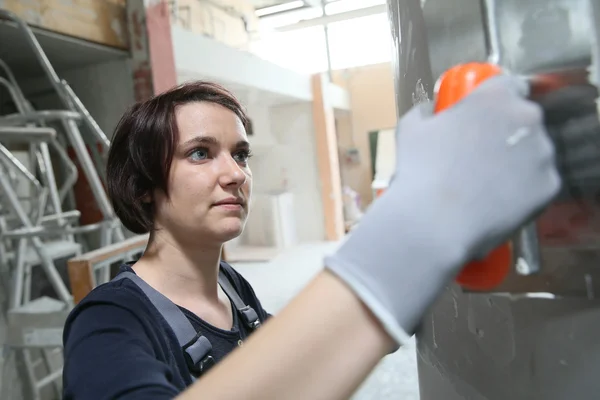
{"x": 87, "y": 117}
{"x": 50, "y": 180}
{"x": 13, "y": 94}
{"x": 492, "y": 32}
{"x": 38, "y": 117}
{"x": 19, "y": 275}
{"x": 10, "y": 158}
{"x": 88, "y": 168}
{"x": 40, "y": 231}
{"x": 529, "y": 251}
{"x": 39, "y": 247}
{"x": 26, "y": 134}
{"x": 329, "y": 19}
{"x": 70, "y": 172}
{"x": 18, "y": 98}
{"x": 72, "y": 214}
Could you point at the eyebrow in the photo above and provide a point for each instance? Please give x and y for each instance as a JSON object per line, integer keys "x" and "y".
{"x": 211, "y": 141}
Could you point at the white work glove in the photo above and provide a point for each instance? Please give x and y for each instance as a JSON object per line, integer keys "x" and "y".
{"x": 465, "y": 180}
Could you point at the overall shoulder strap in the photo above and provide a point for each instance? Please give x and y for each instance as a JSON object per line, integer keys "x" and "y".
{"x": 196, "y": 348}
{"x": 248, "y": 313}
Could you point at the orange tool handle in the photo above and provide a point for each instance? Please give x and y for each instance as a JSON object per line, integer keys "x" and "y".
{"x": 452, "y": 86}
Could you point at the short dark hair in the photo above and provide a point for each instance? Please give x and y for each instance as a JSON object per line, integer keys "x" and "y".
{"x": 140, "y": 155}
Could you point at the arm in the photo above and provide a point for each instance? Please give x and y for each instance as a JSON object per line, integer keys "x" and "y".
{"x": 108, "y": 354}
{"x": 465, "y": 180}
{"x": 299, "y": 354}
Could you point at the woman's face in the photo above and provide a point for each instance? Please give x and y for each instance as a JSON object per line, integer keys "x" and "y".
{"x": 210, "y": 182}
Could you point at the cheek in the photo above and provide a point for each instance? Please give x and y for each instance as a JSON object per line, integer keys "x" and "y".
{"x": 248, "y": 183}
{"x": 160, "y": 201}
{"x": 190, "y": 186}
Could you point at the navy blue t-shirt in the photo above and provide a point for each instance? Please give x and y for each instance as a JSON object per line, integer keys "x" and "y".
{"x": 118, "y": 346}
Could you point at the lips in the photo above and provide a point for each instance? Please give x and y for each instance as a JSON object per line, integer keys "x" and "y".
{"x": 231, "y": 202}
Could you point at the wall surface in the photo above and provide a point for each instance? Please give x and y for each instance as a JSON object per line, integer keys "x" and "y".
{"x": 285, "y": 159}
{"x": 199, "y": 57}
{"x": 294, "y": 127}
{"x": 105, "y": 89}
{"x": 482, "y": 346}
{"x": 265, "y": 148}
{"x": 372, "y": 99}
{"x": 209, "y": 18}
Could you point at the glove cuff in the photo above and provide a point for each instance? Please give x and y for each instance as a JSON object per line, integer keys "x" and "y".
{"x": 381, "y": 312}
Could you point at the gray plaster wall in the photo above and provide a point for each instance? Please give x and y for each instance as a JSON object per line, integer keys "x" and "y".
{"x": 106, "y": 89}
{"x": 481, "y": 346}
{"x": 485, "y": 347}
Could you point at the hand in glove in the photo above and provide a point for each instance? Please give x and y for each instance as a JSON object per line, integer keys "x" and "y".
{"x": 465, "y": 180}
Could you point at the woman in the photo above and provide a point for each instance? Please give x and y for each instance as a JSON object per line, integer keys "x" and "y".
{"x": 177, "y": 168}
{"x": 465, "y": 179}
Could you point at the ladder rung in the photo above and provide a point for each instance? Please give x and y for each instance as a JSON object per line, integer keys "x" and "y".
{"x": 48, "y": 379}
{"x": 55, "y": 351}
{"x": 37, "y": 362}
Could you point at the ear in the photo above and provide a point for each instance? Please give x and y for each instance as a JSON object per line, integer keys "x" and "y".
{"x": 147, "y": 198}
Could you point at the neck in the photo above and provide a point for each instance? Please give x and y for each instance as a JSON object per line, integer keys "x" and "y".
{"x": 178, "y": 270}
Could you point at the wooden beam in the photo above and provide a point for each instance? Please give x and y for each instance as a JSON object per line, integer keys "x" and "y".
{"x": 97, "y": 21}
{"x": 81, "y": 268}
{"x": 328, "y": 159}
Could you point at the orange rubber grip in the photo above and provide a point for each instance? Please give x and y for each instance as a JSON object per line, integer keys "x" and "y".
{"x": 453, "y": 85}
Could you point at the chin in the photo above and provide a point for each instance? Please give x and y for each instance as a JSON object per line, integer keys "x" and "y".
{"x": 230, "y": 229}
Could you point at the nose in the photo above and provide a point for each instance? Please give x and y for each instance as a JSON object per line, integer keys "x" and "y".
{"x": 231, "y": 174}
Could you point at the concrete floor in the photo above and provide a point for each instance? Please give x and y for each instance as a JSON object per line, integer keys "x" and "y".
{"x": 277, "y": 281}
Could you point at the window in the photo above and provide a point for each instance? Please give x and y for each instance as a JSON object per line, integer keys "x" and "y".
{"x": 352, "y": 42}
{"x": 301, "y": 50}
{"x": 360, "y": 41}
{"x": 289, "y": 18}
{"x": 340, "y": 6}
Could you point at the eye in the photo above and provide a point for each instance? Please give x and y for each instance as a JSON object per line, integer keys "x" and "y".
{"x": 198, "y": 154}
{"x": 242, "y": 156}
